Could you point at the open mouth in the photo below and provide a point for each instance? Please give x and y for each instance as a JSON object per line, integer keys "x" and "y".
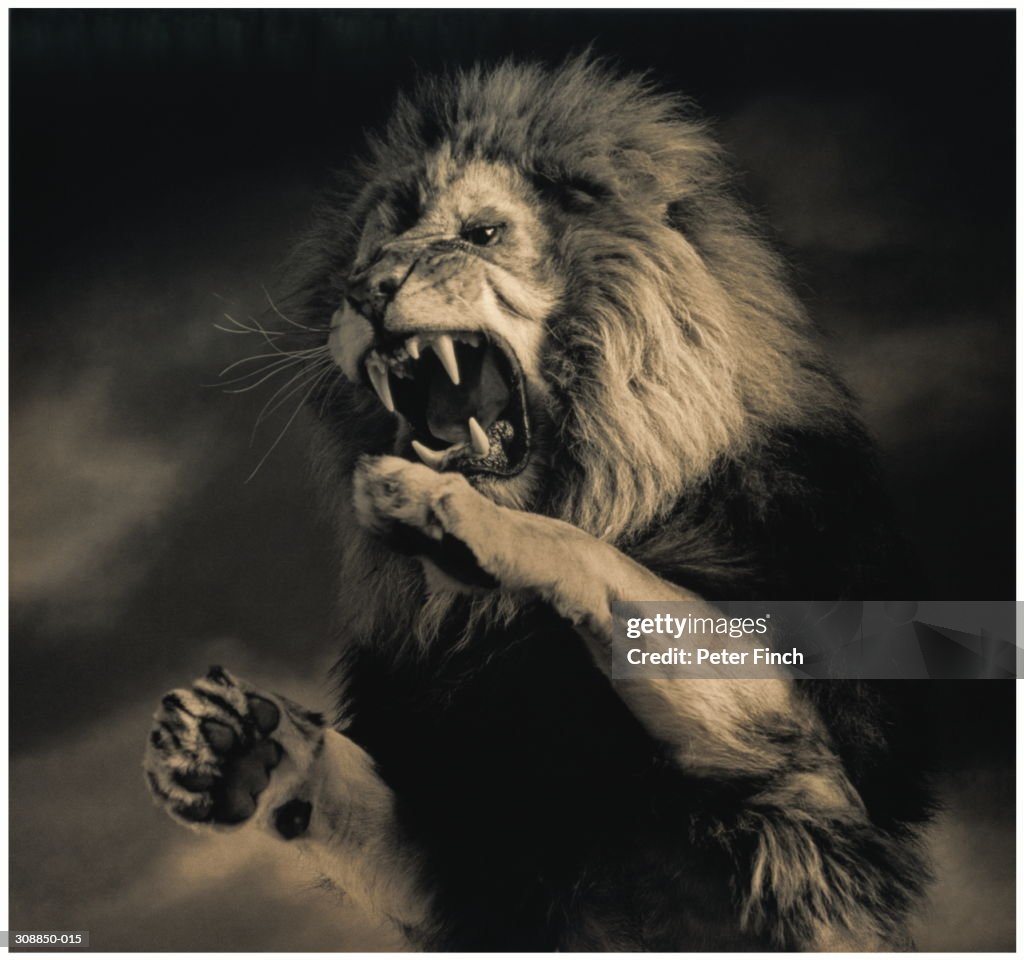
{"x": 464, "y": 397}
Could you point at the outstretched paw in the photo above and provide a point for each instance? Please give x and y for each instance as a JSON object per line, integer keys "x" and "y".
{"x": 221, "y": 751}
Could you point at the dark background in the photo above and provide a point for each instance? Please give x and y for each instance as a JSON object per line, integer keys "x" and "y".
{"x": 161, "y": 164}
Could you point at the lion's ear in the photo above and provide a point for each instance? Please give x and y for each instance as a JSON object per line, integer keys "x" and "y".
{"x": 628, "y": 176}
{"x": 647, "y": 182}
{"x": 573, "y": 192}
{"x": 681, "y": 214}
{"x": 636, "y": 175}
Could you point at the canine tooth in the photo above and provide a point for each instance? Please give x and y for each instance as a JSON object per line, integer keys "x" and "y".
{"x": 481, "y": 445}
{"x": 378, "y": 373}
{"x": 412, "y": 347}
{"x": 432, "y": 458}
{"x": 445, "y": 350}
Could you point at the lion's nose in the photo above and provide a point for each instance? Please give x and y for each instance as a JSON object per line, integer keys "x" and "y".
{"x": 371, "y": 290}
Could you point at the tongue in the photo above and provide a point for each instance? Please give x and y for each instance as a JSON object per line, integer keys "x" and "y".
{"x": 483, "y": 394}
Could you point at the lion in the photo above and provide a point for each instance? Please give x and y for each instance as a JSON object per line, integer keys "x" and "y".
{"x": 560, "y": 367}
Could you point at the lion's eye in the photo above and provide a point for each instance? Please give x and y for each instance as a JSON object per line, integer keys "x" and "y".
{"x": 481, "y": 236}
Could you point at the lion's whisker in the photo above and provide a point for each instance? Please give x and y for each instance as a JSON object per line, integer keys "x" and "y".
{"x": 242, "y": 331}
{"x": 270, "y": 336}
{"x": 303, "y": 384}
{"x": 286, "y": 389}
{"x": 269, "y": 409}
{"x": 279, "y": 363}
{"x": 278, "y": 367}
{"x": 291, "y": 420}
{"x": 288, "y": 354}
{"x": 241, "y": 327}
{"x": 289, "y": 320}
{"x": 277, "y": 400}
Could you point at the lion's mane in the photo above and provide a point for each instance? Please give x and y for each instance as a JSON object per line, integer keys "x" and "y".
{"x": 697, "y": 426}
{"x": 687, "y": 375}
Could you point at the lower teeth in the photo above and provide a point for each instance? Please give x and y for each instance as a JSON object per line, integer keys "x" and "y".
{"x": 499, "y": 436}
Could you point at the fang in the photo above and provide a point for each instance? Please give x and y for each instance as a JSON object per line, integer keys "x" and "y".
{"x": 445, "y": 350}
{"x": 432, "y": 458}
{"x": 378, "y": 375}
{"x": 481, "y": 445}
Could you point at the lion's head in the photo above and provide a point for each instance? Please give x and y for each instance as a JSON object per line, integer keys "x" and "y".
{"x": 542, "y": 280}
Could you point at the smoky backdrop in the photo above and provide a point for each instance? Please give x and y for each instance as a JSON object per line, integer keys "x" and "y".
{"x": 161, "y": 164}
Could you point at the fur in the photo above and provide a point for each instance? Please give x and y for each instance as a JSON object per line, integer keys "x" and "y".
{"x": 690, "y": 439}
{"x": 700, "y": 427}
{"x": 686, "y": 378}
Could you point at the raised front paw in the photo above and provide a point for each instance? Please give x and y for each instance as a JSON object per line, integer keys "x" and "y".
{"x": 392, "y": 493}
{"x": 418, "y": 511}
{"x": 222, "y": 752}
{"x": 476, "y": 542}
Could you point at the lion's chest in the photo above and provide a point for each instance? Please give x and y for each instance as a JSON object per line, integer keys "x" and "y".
{"x": 534, "y": 794}
{"x": 512, "y": 711}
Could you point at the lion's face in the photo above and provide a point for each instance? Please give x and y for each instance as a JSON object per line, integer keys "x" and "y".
{"x": 444, "y": 319}
{"x": 544, "y": 278}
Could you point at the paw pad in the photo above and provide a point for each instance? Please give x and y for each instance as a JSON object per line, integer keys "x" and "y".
{"x": 210, "y": 755}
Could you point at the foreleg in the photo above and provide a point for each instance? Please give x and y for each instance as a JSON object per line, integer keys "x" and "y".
{"x": 815, "y": 872}
{"x": 223, "y": 755}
